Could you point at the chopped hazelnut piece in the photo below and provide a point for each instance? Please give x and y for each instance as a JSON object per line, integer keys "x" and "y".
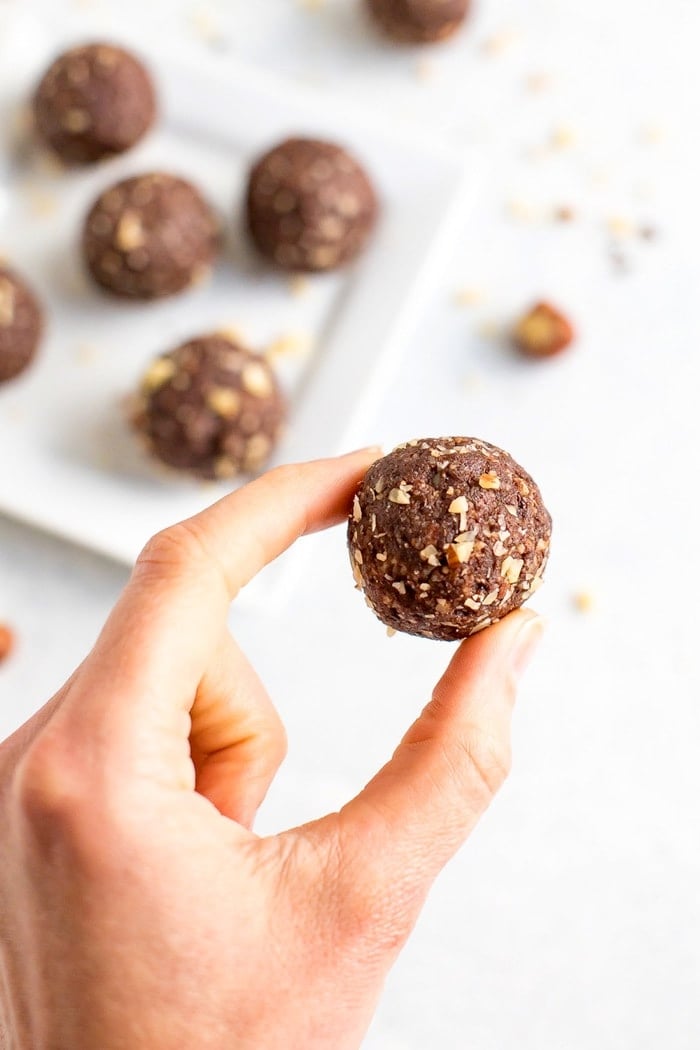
{"x": 159, "y": 373}
{"x": 511, "y": 569}
{"x": 399, "y": 496}
{"x": 129, "y": 233}
{"x": 7, "y": 641}
{"x": 459, "y": 505}
{"x": 256, "y": 380}
{"x": 489, "y": 481}
{"x": 543, "y": 331}
{"x": 224, "y": 402}
{"x": 458, "y": 553}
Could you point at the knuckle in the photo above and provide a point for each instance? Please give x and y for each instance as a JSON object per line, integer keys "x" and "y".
{"x": 375, "y": 913}
{"x": 47, "y": 786}
{"x": 170, "y": 550}
{"x": 488, "y": 761}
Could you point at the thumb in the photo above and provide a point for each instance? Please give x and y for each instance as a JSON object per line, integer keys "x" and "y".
{"x": 419, "y": 809}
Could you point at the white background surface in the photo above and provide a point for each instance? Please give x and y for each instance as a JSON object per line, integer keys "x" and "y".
{"x": 572, "y": 918}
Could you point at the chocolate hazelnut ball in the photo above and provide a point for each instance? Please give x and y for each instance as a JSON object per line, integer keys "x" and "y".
{"x": 210, "y": 408}
{"x": 447, "y": 536}
{"x": 310, "y": 205}
{"x": 150, "y": 236}
{"x": 93, "y": 102}
{"x": 21, "y": 324}
{"x": 419, "y": 21}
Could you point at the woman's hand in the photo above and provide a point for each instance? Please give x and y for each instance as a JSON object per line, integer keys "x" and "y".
{"x": 137, "y": 908}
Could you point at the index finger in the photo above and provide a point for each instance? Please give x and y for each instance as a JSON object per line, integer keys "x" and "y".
{"x": 168, "y": 619}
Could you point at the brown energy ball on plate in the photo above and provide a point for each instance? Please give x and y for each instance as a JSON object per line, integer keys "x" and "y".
{"x": 210, "y": 408}
{"x": 310, "y": 205}
{"x": 21, "y": 324}
{"x": 93, "y": 102}
{"x": 150, "y": 236}
{"x": 447, "y": 536}
{"x": 419, "y": 21}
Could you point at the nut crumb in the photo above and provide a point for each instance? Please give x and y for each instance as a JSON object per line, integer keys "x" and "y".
{"x": 224, "y": 402}
{"x": 469, "y": 296}
{"x": 500, "y": 42}
{"x": 543, "y": 331}
{"x": 293, "y": 344}
{"x": 425, "y": 69}
{"x": 521, "y": 210}
{"x": 459, "y": 505}
{"x": 538, "y": 82}
{"x": 129, "y": 233}
{"x": 256, "y": 380}
{"x": 489, "y": 481}
{"x": 652, "y": 134}
{"x": 162, "y": 369}
{"x": 86, "y": 353}
{"x": 511, "y": 569}
{"x": 619, "y": 226}
{"x": 584, "y": 601}
{"x": 299, "y": 285}
{"x": 564, "y": 213}
{"x": 399, "y": 496}
{"x": 7, "y": 303}
{"x": 7, "y": 641}
{"x": 563, "y": 137}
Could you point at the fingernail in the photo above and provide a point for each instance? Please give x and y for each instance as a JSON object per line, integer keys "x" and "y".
{"x": 526, "y": 642}
{"x": 375, "y": 450}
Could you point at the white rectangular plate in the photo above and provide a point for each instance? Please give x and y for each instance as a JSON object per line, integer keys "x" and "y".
{"x": 67, "y": 461}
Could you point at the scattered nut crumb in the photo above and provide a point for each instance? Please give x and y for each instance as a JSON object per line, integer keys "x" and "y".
{"x": 537, "y": 82}
{"x": 652, "y": 133}
{"x": 205, "y": 25}
{"x": 469, "y": 296}
{"x": 86, "y": 353}
{"x": 7, "y": 641}
{"x": 619, "y": 226}
{"x": 543, "y": 331}
{"x": 490, "y": 329}
{"x": 40, "y": 203}
{"x": 390, "y": 632}
{"x": 293, "y": 344}
{"x": 299, "y": 285}
{"x": 564, "y": 213}
{"x": 489, "y": 481}
{"x": 583, "y": 601}
{"x": 424, "y": 69}
{"x": 521, "y": 210}
{"x": 500, "y": 42}
{"x": 618, "y": 260}
{"x": 648, "y": 232}
{"x": 563, "y": 137}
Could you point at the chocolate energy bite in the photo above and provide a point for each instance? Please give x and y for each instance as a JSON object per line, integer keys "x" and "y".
{"x": 447, "y": 536}
{"x": 150, "y": 236}
{"x": 21, "y": 324}
{"x": 210, "y": 408}
{"x": 419, "y": 21}
{"x": 93, "y": 102}
{"x": 310, "y": 205}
